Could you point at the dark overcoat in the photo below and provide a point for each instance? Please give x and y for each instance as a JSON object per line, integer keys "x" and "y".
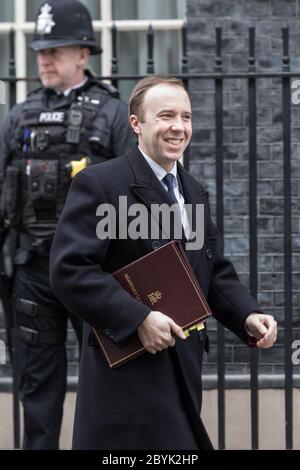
{"x": 154, "y": 401}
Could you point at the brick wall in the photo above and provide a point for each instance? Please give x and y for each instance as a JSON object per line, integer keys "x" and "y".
{"x": 235, "y": 17}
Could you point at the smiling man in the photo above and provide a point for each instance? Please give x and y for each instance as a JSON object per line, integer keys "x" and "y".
{"x": 163, "y": 131}
{"x": 154, "y": 401}
{"x": 70, "y": 121}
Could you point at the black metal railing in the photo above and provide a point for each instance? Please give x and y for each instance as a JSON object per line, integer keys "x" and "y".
{"x": 219, "y": 77}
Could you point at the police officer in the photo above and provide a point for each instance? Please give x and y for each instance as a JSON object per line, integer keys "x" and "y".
{"x": 68, "y": 123}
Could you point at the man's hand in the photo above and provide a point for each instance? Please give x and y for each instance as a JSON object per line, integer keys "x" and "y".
{"x": 155, "y": 332}
{"x": 262, "y": 327}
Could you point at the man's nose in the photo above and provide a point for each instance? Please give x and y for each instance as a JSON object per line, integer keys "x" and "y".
{"x": 178, "y": 125}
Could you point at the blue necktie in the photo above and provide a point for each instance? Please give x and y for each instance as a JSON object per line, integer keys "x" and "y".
{"x": 168, "y": 179}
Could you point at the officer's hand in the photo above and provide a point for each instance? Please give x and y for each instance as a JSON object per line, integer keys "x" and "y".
{"x": 156, "y": 331}
{"x": 262, "y": 327}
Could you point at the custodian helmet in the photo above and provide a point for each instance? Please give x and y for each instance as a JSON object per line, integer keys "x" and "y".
{"x": 64, "y": 23}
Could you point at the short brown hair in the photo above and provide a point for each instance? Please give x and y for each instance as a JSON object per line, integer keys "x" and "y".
{"x": 138, "y": 93}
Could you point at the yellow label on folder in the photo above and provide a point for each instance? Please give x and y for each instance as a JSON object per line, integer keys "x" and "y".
{"x": 197, "y": 327}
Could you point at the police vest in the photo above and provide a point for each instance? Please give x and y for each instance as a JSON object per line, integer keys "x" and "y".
{"x": 50, "y": 142}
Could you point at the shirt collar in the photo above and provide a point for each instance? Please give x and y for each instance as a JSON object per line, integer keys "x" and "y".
{"x": 68, "y": 91}
{"x": 160, "y": 172}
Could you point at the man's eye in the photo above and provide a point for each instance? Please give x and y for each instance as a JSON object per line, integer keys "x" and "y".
{"x": 166, "y": 115}
{"x": 187, "y": 117}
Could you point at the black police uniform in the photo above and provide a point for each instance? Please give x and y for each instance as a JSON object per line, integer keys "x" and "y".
{"x": 39, "y": 140}
{"x": 42, "y": 143}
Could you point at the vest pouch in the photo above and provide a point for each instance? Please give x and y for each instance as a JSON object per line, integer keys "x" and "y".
{"x": 11, "y": 197}
{"x": 39, "y": 211}
{"x": 42, "y": 180}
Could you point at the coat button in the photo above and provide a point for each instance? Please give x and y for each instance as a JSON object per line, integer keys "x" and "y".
{"x": 156, "y": 244}
{"x": 107, "y": 332}
{"x": 209, "y": 253}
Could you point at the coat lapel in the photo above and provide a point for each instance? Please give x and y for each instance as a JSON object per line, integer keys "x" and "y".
{"x": 149, "y": 190}
{"x": 193, "y": 194}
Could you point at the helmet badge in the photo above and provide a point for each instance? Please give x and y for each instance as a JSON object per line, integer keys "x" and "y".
{"x": 45, "y": 21}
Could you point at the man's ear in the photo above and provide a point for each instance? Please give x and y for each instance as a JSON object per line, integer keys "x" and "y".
{"x": 134, "y": 122}
{"x": 84, "y": 56}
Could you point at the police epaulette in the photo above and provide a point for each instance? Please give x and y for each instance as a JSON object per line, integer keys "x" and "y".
{"x": 110, "y": 88}
{"x": 36, "y": 90}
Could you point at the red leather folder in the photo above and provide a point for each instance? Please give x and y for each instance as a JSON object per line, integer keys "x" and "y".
{"x": 164, "y": 281}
